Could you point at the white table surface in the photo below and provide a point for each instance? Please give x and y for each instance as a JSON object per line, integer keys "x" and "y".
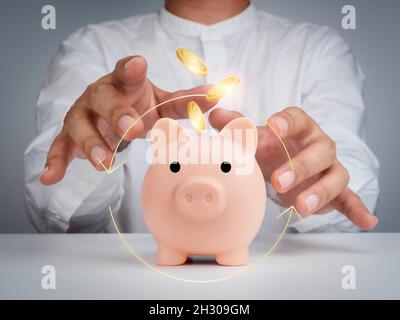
{"x": 98, "y": 266}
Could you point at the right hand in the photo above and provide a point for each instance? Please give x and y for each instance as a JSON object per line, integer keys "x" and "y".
{"x": 103, "y": 113}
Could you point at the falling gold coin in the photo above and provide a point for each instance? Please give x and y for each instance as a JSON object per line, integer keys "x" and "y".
{"x": 196, "y": 116}
{"x": 192, "y": 62}
{"x": 222, "y": 88}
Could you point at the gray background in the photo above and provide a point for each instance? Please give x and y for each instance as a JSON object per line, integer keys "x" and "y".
{"x": 26, "y": 49}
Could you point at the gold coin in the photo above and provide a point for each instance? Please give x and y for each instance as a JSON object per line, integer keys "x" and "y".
{"x": 192, "y": 62}
{"x": 222, "y": 88}
{"x": 196, "y": 116}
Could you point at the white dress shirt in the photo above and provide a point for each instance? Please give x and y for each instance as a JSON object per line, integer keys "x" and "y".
{"x": 279, "y": 63}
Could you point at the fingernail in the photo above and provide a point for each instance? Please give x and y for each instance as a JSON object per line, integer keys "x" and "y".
{"x": 129, "y": 63}
{"x": 312, "y": 202}
{"x": 282, "y": 125}
{"x": 98, "y": 154}
{"x": 45, "y": 170}
{"x": 125, "y": 123}
{"x": 370, "y": 223}
{"x": 376, "y": 220}
{"x": 286, "y": 179}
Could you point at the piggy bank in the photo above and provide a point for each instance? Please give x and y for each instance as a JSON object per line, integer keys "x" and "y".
{"x": 203, "y": 195}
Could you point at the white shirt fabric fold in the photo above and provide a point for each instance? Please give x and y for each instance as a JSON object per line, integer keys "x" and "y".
{"x": 279, "y": 63}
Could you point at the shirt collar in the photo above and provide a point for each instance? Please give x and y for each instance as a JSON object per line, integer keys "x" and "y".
{"x": 190, "y": 28}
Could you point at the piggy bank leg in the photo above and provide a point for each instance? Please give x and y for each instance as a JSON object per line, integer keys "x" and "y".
{"x": 238, "y": 257}
{"x": 168, "y": 257}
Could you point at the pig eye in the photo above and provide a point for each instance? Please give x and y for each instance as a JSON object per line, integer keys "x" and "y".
{"x": 226, "y": 167}
{"x": 175, "y": 167}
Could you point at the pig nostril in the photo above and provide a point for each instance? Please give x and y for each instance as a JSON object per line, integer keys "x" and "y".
{"x": 188, "y": 198}
{"x": 200, "y": 199}
{"x": 208, "y": 197}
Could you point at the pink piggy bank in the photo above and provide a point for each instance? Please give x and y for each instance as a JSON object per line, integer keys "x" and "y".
{"x": 203, "y": 195}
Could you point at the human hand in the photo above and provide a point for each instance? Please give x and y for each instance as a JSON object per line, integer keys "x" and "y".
{"x": 103, "y": 113}
{"x": 319, "y": 181}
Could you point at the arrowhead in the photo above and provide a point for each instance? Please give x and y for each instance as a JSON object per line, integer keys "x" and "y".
{"x": 290, "y": 211}
{"x": 109, "y": 170}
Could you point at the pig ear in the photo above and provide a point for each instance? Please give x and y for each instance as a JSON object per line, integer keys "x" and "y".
{"x": 166, "y": 131}
{"x": 242, "y": 131}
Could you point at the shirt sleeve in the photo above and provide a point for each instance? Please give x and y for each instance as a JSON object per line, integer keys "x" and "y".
{"x": 332, "y": 94}
{"x": 84, "y": 194}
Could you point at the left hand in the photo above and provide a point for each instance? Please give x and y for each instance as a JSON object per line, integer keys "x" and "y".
{"x": 319, "y": 181}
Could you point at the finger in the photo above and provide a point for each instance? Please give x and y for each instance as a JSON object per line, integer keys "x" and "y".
{"x": 176, "y": 107}
{"x": 129, "y": 75}
{"x": 293, "y": 122}
{"x": 108, "y": 134}
{"x": 58, "y": 159}
{"x": 323, "y": 191}
{"x": 312, "y": 160}
{"x": 108, "y": 103}
{"x": 220, "y": 117}
{"x": 350, "y": 204}
{"x": 86, "y": 136}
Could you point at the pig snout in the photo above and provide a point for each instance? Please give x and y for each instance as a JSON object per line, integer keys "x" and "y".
{"x": 200, "y": 199}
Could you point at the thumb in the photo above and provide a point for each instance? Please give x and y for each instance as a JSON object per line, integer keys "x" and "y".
{"x": 130, "y": 74}
{"x": 220, "y": 117}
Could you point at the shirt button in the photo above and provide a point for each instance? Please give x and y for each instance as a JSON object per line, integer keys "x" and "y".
{"x": 210, "y": 32}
